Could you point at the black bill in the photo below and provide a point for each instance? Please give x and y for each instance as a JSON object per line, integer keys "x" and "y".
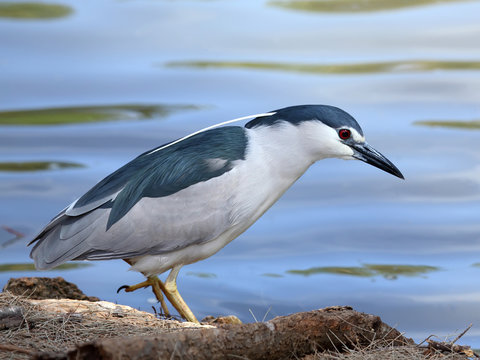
{"x": 371, "y": 156}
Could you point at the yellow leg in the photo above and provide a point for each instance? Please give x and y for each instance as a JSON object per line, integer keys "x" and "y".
{"x": 157, "y": 287}
{"x": 171, "y": 292}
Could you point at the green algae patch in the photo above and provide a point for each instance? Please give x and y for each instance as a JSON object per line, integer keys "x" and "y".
{"x": 390, "y": 272}
{"x": 89, "y": 114}
{"x": 33, "y": 10}
{"x": 202, "y": 275}
{"x": 336, "y": 69}
{"x": 31, "y": 267}
{"x": 455, "y": 124}
{"x": 337, "y": 270}
{"x": 353, "y": 6}
{"x": 37, "y": 166}
{"x": 272, "y": 275}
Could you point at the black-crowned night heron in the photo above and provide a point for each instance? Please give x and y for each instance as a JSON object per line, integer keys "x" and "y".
{"x": 184, "y": 201}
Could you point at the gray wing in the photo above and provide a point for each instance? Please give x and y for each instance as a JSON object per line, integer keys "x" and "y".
{"x": 194, "y": 215}
{"x": 161, "y": 201}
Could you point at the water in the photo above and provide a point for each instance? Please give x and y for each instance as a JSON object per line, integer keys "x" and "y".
{"x": 96, "y": 83}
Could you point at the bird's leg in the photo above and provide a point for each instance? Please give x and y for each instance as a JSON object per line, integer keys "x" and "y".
{"x": 172, "y": 294}
{"x": 157, "y": 290}
{"x": 157, "y": 287}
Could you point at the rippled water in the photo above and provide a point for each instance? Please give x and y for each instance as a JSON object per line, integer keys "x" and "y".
{"x": 86, "y": 86}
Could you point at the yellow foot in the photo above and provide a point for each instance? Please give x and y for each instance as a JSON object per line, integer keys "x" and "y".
{"x": 171, "y": 292}
{"x": 169, "y": 289}
{"x": 157, "y": 287}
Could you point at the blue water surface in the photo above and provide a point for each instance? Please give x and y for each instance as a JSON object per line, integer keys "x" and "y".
{"x": 340, "y": 214}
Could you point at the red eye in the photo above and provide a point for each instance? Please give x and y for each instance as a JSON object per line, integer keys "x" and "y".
{"x": 344, "y": 134}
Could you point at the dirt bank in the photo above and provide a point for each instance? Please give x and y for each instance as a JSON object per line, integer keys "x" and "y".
{"x": 37, "y": 320}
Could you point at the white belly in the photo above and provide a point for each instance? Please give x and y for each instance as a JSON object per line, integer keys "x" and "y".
{"x": 157, "y": 264}
{"x": 247, "y": 212}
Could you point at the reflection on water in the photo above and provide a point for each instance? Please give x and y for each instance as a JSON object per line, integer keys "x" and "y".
{"x": 37, "y": 166}
{"x": 32, "y": 10}
{"x": 202, "y": 275}
{"x": 14, "y": 235}
{"x": 272, "y": 275}
{"x": 350, "y": 6}
{"x": 458, "y": 124}
{"x": 390, "y": 272}
{"x": 359, "y": 68}
{"x": 88, "y": 114}
{"x": 31, "y": 267}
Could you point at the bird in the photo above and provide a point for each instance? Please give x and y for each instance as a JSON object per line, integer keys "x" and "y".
{"x": 183, "y": 201}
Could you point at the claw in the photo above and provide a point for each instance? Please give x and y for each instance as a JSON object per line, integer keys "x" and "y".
{"x": 122, "y": 287}
{"x": 171, "y": 292}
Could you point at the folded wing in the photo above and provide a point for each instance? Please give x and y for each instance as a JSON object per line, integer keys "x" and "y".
{"x": 159, "y": 202}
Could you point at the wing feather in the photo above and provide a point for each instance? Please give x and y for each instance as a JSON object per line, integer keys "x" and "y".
{"x": 173, "y": 197}
{"x": 194, "y": 215}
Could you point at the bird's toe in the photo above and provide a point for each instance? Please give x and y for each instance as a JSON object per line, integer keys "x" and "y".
{"x": 123, "y": 287}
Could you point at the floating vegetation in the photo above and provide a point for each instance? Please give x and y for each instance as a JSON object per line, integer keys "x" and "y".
{"x": 272, "y": 275}
{"x": 202, "y": 275}
{"x": 457, "y": 124}
{"x": 89, "y": 114}
{"x": 352, "y": 6}
{"x": 37, "y": 166}
{"x": 337, "y": 270}
{"x": 390, "y": 272}
{"x": 31, "y": 267}
{"x": 358, "y": 68}
{"x": 33, "y": 10}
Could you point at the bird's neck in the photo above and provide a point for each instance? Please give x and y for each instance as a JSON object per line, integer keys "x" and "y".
{"x": 282, "y": 150}
{"x": 274, "y": 161}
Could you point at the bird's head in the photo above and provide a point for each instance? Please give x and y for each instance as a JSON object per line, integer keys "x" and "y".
{"x": 327, "y": 131}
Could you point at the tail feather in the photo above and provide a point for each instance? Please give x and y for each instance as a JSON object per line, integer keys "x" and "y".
{"x": 66, "y": 238}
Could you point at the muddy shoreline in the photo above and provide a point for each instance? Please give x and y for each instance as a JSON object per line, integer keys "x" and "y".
{"x": 50, "y": 318}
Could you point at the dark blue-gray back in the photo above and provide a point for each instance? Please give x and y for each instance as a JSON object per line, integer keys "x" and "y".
{"x": 166, "y": 171}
